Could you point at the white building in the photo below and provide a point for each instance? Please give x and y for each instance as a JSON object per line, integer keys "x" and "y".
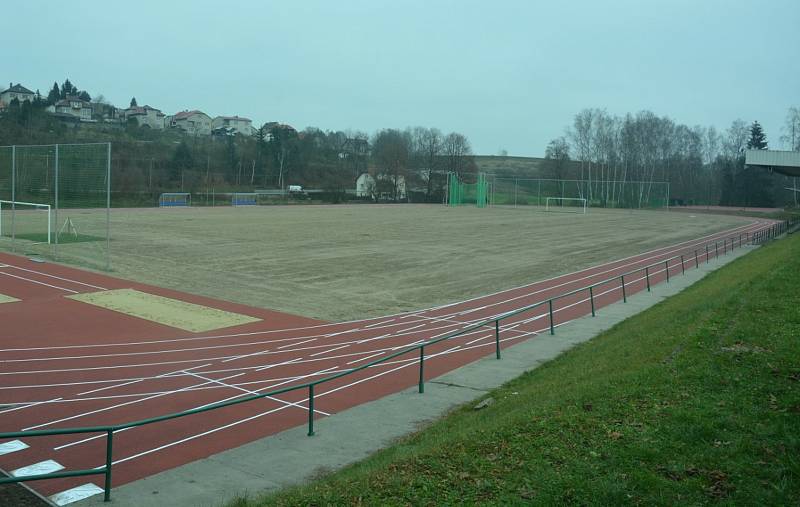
{"x": 233, "y": 124}
{"x": 380, "y": 186}
{"x": 146, "y": 116}
{"x": 73, "y": 106}
{"x": 192, "y": 122}
{"x": 16, "y": 91}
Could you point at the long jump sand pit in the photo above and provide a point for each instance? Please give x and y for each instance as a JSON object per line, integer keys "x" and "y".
{"x": 163, "y": 310}
{"x": 341, "y": 262}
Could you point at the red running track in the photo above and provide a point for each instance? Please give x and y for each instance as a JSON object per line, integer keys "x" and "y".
{"x": 66, "y": 364}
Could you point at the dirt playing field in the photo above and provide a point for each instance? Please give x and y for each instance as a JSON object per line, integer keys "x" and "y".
{"x": 355, "y": 261}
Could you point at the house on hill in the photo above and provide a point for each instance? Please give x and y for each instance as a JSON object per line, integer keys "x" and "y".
{"x": 16, "y": 91}
{"x": 192, "y": 122}
{"x": 233, "y": 125}
{"x": 72, "y": 108}
{"x": 146, "y": 116}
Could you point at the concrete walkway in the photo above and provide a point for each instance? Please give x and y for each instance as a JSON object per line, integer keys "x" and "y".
{"x": 291, "y": 457}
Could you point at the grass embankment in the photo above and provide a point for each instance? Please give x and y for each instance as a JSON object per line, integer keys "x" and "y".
{"x": 694, "y": 401}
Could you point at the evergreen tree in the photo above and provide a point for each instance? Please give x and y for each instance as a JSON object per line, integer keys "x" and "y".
{"x": 758, "y": 140}
{"x": 67, "y": 89}
{"x": 133, "y": 102}
{"x": 54, "y": 95}
{"x": 181, "y": 160}
{"x": 84, "y": 95}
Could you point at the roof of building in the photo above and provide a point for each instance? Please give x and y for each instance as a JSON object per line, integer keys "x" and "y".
{"x": 242, "y": 118}
{"x": 186, "y": 114}
{"x": 142, "y": 110}
{"x": 17, "y": 88}
{"x": 783, "y": 162}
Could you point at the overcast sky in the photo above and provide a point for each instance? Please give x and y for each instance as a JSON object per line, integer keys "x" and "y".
{"x": 508, "y": 74}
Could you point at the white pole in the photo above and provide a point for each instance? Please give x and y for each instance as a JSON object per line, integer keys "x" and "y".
{"x": 108, "y": 208}
{"x": 56, "y": 198}
{"x": 13, "y": 196}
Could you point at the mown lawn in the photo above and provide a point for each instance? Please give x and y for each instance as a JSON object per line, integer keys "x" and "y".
{"x": 694, "y": 401}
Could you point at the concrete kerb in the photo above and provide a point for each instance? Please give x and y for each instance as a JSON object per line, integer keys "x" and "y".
{"x": 291, "y": 457}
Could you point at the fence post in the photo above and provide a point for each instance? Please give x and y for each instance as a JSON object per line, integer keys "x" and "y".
{"x": 624, "y": 296}
{"x": 497, "y": 337}
{"x": 706, "y": 253}
{"x": 666, "y": 268}
{"x": 647, "y": 276}
{"x": 421, "y": 369}
{"x": 552, "y": 327}
{"x": 716, "y": 249}
{"x": 310, "y": 410}
{"x": 683, "y": 267}
{"x": 591, "y": 299}
{"x": 109, "y": 460}
{"x": 696, "y": 264}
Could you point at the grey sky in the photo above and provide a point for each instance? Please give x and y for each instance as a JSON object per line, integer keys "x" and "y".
{"x": 510, "y": 75}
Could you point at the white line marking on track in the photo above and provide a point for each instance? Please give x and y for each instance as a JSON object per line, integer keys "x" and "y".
{"x": 56, "y": 277}
{"x": 38, "y": 282}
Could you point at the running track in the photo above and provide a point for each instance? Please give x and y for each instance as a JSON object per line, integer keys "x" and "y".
{"x": 68, "y": 364}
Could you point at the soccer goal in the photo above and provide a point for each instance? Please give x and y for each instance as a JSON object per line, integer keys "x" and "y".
{"x": 172, "y": 199}
{"x": 25, "y": 220}
{"x": 565, "y": 204}
{"x": 244, "y": 199}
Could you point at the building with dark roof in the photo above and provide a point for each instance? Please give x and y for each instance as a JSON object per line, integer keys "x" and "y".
{"x": 16, "y": 91}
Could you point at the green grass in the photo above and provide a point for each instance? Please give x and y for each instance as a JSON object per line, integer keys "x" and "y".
{"x": 694, "y": 401}
{"x": 63, "y": 239}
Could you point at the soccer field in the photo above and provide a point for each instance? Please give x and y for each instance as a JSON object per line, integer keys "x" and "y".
{"x": 344, "y": 262}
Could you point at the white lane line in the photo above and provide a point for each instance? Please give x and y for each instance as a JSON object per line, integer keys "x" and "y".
{"x": 40, "y": 283}
{"x": 291, "y": 345}
{"x": 28, "y": 405}
{"x": 12, "y": 446}
{"x": 140, "y": 380}
{"x": 76, "y": 494}
{"x": 247, "y": 391}
{"x": 329, "y": 350}
{"x": 57, "y": 277}
{"x": 380, "y": 323}
{"x": 319, "y": 372}
{"x": 43, "y": 467}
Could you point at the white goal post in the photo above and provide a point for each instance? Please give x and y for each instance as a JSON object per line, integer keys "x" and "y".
{"x": 566, "y": 204}
{"x": 24, "y": 218}
{"x": 172, "y": 199}
{"x": 244, "y": 199}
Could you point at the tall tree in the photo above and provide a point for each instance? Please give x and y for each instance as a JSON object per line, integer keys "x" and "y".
{"x": 758, "y": 140}
{"x": 54, "y": 95}
{"x": 67, "y": 89}
{"x": 133, "y": 102}
{"x": 557, "y": 156}
{"x": 791, "y": 129}
{"x": 84, "y": 95}
{"x": 391, "y": 150}
{"x": 458, "y": 154}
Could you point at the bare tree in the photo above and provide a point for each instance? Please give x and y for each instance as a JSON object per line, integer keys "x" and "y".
{"x": 458, "y": 154}
{"x": 791, "y": 129}
{"x": 391, "y": 150}
{"x": 557, "y": 155}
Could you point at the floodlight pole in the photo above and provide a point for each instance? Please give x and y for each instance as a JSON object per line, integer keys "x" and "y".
{"x": 108, "y": 207}
{"x": 55, "y": 248}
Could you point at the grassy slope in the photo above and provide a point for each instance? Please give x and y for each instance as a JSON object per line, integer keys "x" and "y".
{"x": 696, "y": 400}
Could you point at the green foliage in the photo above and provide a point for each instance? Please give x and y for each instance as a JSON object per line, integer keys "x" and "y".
{"x": 692, "y": 402}
{"x": 758, "y": 140}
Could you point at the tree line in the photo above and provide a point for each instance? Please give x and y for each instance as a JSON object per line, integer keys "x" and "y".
{"x": 702, "y": 165}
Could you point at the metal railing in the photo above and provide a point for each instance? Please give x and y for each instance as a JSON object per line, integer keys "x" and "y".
{"x": 728, "y": 244}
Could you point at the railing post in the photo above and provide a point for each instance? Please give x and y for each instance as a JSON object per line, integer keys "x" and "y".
{"x": 109, "y": 461}
{"x": 725, "y": 246}
{"x": 310, "y": 410}
{"x": 624, "y": 296}
{"x": 552, "y": 327}
{"x": 716, "y": 249}
{"x": 422, "y": 369}
{"x": 706, "y": 253}
{"x": 591, "y": 299}
{"x": 683, "y": 267}
{"x": 666, "y": 268}
{"x": 497, "y": 338}
{"x": 647, "y": 276}
{"x": 696, "y": 264}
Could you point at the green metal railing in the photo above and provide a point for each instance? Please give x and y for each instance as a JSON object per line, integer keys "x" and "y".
{"x": 754, "y": 238}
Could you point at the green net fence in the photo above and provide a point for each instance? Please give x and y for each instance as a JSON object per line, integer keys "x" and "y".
{"x": 460, "y": 193}
{"x": 54, "y": 202}
{"x": 598, "y": 194}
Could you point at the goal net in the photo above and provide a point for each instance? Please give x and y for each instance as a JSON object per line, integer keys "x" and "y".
{"x": 244, "y": 199}
{"x": 566, "y": 204}
{"x": 172, "y": 199}
{"x": 28, "y": 221}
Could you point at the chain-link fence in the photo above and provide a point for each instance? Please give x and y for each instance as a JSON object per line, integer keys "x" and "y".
{"x": 55, "y": 202}
{"x": 598, "y": 193}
